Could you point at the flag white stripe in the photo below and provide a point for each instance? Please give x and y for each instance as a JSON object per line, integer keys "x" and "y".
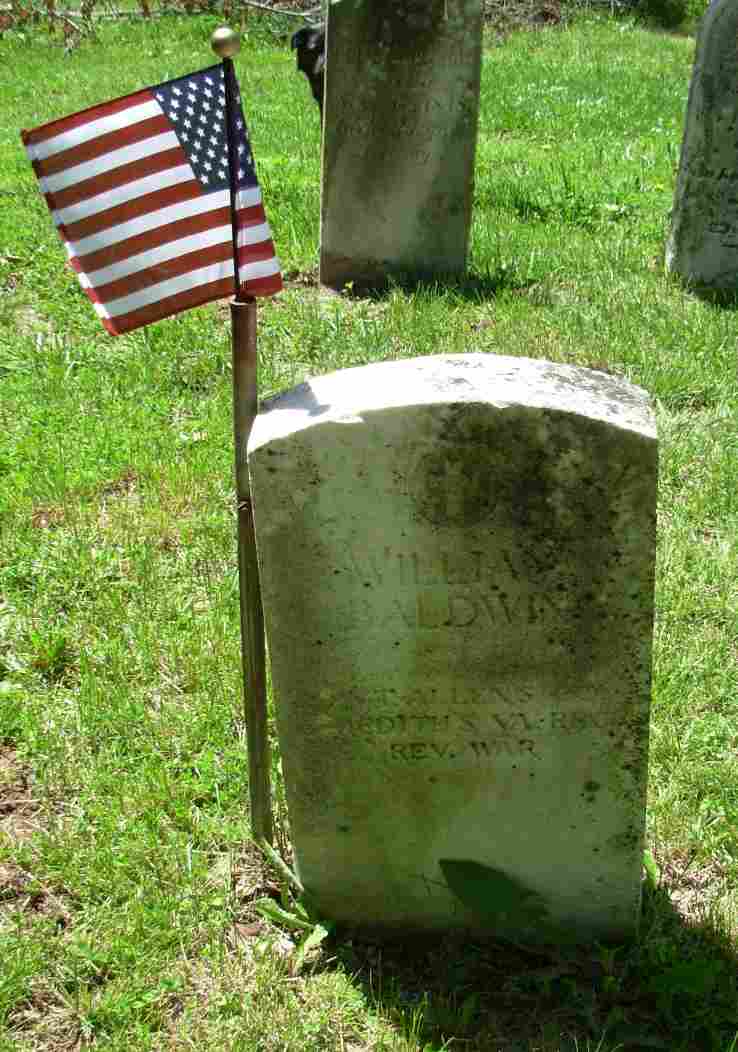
{"x": 248, "y": 198}
{"x": 245, "y": 198}
{"x": 161, "y": 217}
{"x": 263, "y": 269}
{"x": 143, "y": 224}
{"x": 106, "y": 162}
{"x": 84, "y": 132}
{"x": 252, "y": 235}
{"x": 165, "y": 289}
{"x": 172, "y": 249}
{"x": 120, "y": 194}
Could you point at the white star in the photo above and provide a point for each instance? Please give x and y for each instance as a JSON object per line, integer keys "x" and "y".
{"x": 187, "y": 123}
{"x": 216, "y": 126}
{"x": 221, "y": 173}
{"x": 208, "y": 166}
{"x": 175, "y": 104}
{"x": 176, "y": 91}
{"x": 189, "y": 110}
{"x": 204, "y": 178}
{"x": 206, "y": 106}
{"x": 214, "y": 140}
{"x": 241, "y": 148}
{"x": 173, "y": 116}
{"x": 192, "y": 84}
{"x": 208, "y": 93}
{"x": 239, "y": 125}
{"x": 211, "y": 153}
{"x": 184, "y": 137}
{"x": 191, "y": 97}
{"x": 208, "y": 79}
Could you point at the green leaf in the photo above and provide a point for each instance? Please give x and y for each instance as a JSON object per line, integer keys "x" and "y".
{"x": 309, "y": 943}
{"x": 268, "y": 908}
{"x": 697, "y": 978}
{"x": 280, "y": 865}
{"x": 493, "y": 894}
{"x": 653, "y": 873}
{"x": 469, "y": 1009}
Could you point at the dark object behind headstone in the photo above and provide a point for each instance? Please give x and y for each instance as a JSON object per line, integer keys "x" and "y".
{"x": 309, "y": 43}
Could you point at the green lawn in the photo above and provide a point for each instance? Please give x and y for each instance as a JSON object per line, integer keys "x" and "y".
{"x": 127, "y": 875}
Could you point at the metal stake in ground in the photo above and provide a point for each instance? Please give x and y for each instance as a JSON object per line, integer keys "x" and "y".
{"x": 225, "y": 43}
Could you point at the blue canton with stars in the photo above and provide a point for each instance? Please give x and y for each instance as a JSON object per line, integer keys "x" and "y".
{"x": 196, "y": 107}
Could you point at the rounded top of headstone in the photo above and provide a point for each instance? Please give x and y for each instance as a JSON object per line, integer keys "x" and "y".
{"x": 502, "y": 381}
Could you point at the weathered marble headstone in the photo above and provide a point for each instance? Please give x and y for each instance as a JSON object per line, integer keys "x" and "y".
{"x": 401, "y": 105}
{"x": 457, "y": 559}
{"x": 703, "y": 243}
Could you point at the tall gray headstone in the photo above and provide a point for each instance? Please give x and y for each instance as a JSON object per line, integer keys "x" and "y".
{"x": 457, "y": 558}
{"x": 703, "y": 242}
{"x": 401, "y": 105}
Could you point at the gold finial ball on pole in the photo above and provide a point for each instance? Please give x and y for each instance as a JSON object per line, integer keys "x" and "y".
{"x": 225, "y": 42}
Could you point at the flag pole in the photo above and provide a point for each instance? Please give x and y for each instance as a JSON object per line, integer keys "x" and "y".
{"x": 225, "y": 43}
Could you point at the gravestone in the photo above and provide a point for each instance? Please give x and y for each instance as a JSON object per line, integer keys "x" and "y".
{"x": 457, "y": 558}
{"x": 703, "y": 242}
{"x": 401, "y": 105}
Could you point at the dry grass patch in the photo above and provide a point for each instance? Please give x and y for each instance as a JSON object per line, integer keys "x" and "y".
{"x": 19, "y": 807}
{"x": 122, "y": 486}
{"x": 47, "y": 517}
{"x": 694, "y": 888}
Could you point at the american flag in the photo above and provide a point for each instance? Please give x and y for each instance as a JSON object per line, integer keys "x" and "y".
{"x": 139, "y": 191}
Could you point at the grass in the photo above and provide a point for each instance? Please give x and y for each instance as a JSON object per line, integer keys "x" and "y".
{"x": 127, "y": 874}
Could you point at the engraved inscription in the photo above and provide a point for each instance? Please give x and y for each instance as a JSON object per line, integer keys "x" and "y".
{"x": 452, "y": 487}
{"x": 412, "y": 752}
{"x": 451, "y": 590}
{"x": 417, "y": 568}
{"x": 466, "y": 736}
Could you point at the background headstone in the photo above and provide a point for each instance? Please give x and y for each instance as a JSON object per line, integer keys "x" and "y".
{"x": 457, "y": 559}
{"x": 703, "y": 243}
{"x": 401, "y": 106}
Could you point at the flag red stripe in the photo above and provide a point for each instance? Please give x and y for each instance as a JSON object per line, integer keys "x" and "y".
{"x": 255, "y": 253}
{"x": 161, "y": 235}
{"x": 76, "y": 120}
{"x": 251, "y": 216}
{"x": 170, "y": 268}
{"x": 264, "y": 286}
{"x": 114, "y": 140}
{"x": 126, "y": 173}
{"x": 171, "y": 305}
{"x": 139, "y": 206}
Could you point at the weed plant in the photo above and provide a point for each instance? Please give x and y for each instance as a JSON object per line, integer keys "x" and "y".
{"x": 127, "y": 873}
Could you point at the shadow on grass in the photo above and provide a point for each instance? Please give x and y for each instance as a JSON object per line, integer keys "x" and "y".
{"x": 674, "y": 989}
{"x": 721, "y": 299}
{"x": 473, "y": 286}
